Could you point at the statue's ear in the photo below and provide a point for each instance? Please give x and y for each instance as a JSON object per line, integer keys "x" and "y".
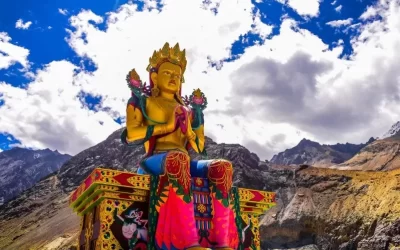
{"x": 153, "y": 77}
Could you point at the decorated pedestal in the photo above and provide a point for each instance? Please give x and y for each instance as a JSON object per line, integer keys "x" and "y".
{"x": 116, "y": 213}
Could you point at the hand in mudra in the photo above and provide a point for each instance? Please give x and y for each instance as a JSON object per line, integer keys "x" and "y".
{"x": 182, "y": 116}
{"x": 172, "y": 123}
{"x": 190, "y": 135}
{"x": 179, "y": 118}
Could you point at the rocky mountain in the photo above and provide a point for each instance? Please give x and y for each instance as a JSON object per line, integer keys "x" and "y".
{"x": 381, "y": 155}
{"x": 317, "y": 208}
{"x": 312, "y": 153}
{"x": 394, "y": 130}
{"x": 333, "y": 209}
{"x": 21, "y": 168}
{"x": 112, "y": 154}
{"x": 45, "y": 205}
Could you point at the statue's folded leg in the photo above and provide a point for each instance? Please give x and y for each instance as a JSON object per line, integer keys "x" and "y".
{"x": 176, "y": 224}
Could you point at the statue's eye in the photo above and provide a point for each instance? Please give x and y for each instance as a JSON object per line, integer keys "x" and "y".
{"x": 167, "y": 73}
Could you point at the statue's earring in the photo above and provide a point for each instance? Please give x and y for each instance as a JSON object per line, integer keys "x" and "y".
{"x": 155, "y": 91}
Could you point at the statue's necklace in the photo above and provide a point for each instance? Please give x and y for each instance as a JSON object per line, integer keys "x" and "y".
{"x": 162, "y": 102}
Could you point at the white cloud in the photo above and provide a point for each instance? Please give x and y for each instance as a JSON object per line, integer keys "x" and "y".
{"x": 10, "y": 53}
{"x": 308, "y": 8}
{"x": 21, "y": 25}
{"x": 339, "y": 23}
{"x": 63, "y": 11}
{"x": 339, "y": 8}
{"x": 335, "y": 104}
{"x": 344, "y": 95}
{"x": 352, "y": 27}
{"x": 334, "y": 2}
{"x": 49, "y": 113}
{"x": 52, "y": 103}
{"x": 371, "y": 11}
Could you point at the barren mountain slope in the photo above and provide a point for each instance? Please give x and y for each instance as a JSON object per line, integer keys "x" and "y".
{"x": 336, "y": 210}
{"x": 40, "y": 216}
{"x": 380, "y": 155}
{"x": 318, "y": 208}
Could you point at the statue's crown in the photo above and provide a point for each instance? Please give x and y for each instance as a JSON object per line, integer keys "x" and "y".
{"x": 166, "y": 54}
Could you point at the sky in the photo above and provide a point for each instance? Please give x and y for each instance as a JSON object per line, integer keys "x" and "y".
{"x": 274, "y": 71}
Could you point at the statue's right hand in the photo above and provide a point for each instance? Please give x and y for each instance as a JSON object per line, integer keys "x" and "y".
{"x": 172, "y": 122}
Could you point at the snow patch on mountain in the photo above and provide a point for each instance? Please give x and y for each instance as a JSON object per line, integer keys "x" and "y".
{"x": 395, "y": 129}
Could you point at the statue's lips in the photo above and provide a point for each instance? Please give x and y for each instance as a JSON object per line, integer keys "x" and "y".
{"x": 172, "y": 82}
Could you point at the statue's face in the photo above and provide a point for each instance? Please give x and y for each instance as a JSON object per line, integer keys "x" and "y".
{"x": 168, "y": 78}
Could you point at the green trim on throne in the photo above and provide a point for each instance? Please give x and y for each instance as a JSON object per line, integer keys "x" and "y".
{"x": 153, "y": 215}
{"x": 238, "y": 218}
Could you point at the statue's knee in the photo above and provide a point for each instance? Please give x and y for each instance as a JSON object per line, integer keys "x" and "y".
{"x": 177, "y": 163}
{"x": 220, "y": 169}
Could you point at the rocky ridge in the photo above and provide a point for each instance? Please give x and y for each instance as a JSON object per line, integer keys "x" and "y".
{"x": 335, "y": 209}
{"x": 313, "y": 153}
{"x": 393, "y": 131}
{"x": 21, "y": 168}
{"x": 381, "y": 155}
{"x": 45, "y": 205}
{"x": 316, "y": 208}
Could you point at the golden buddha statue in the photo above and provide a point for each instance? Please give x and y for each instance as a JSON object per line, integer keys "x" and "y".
{"x": 168, "y": 126}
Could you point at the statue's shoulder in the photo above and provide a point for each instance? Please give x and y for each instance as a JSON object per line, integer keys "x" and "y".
{"x": 151, "y": 102}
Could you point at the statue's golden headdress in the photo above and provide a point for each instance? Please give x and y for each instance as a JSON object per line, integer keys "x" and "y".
{"x": 166, "y": 54}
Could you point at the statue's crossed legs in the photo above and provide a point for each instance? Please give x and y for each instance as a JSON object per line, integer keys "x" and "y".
{"x": 176, "y": 227}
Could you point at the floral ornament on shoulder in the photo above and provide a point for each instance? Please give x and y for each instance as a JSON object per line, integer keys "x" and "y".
{"x": 136, "y": 85}
{"x": 197, "y": 100}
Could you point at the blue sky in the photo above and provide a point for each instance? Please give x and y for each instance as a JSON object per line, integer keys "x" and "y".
{"x": 46, "y": 37}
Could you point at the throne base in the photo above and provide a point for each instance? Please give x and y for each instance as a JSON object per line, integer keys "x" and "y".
{"x": 107, "y": 198}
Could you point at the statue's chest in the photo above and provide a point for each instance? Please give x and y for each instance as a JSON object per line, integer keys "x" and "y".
{"x": 160, "y": 110}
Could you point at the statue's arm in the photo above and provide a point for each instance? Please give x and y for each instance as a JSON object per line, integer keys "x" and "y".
{"x": 197, "y": 120}
{"x": 134, "y": 124}
{"x": 136, "y": 130}
{"x": 200, "y": 137}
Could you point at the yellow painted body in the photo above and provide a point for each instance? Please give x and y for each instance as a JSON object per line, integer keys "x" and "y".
{"x": 161, "y": 108}
{"x": 106, "y": 191}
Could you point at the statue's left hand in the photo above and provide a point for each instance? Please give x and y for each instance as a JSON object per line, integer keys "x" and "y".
{"x": 190, "y": 135}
